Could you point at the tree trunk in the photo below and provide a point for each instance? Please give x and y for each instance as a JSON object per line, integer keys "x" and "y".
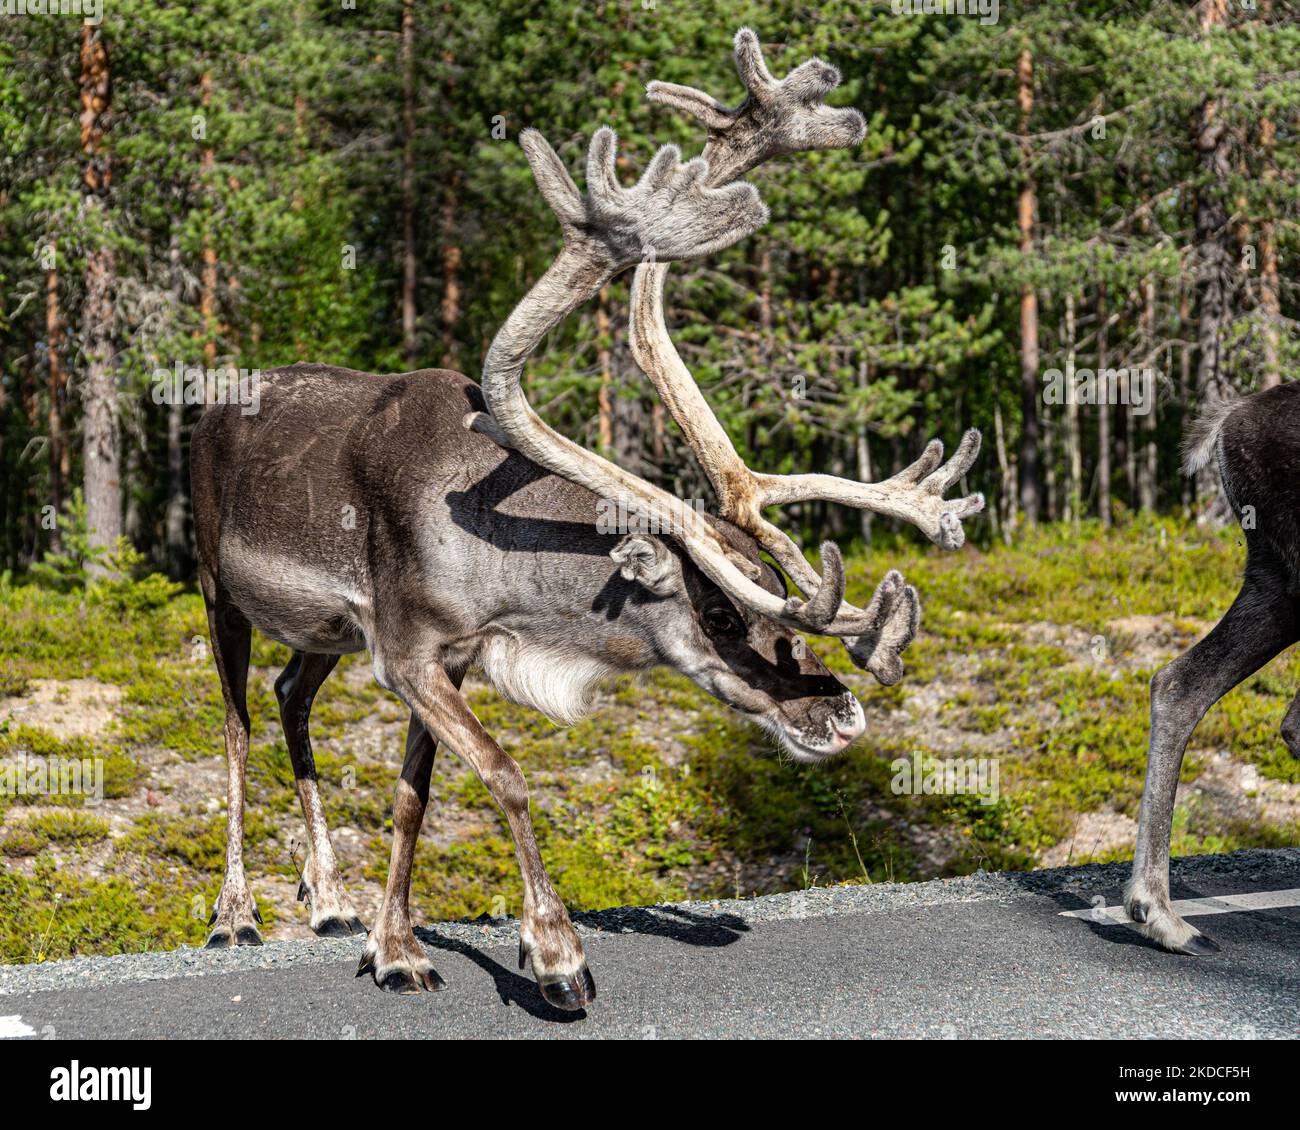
{"x": 53, "y": 343}
{"x": 451, "y": 258}
{"x": 864, "y": 452}
{"x": 103, "y": 486}
{"x": 1073, "y": 448}
{"x": 629, "y": 433}
{"x": 133, "y": 522}
{"x": 1147, "y": 463}
{"x": 1270, "y": 292}
{"x": 1026, "y": 206}
{"x": 1103, "y": 412}
{"x": 1215, "y": 260}
{"x": 409, "y": 347}
{"x": 1130, "y": 448}
{"x": 208, "y": 274}
{"x": 1047, "y": 460}
{"x": 30, "y": 394}
{"x": 176, "y": 545}
{"x": 1007, "y": 494}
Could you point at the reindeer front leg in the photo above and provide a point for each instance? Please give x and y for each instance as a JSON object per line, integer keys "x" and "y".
{"x": 546, "y": 936}
{"x": 393, "y": 955}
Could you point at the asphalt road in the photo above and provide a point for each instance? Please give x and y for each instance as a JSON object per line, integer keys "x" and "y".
{"x": 989, "y": 956}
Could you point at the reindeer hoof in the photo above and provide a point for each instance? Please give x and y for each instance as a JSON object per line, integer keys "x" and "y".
{"x": 1198, "y": 945}
{"x": 336, "y": 926}
{"x": 406, "y": 982}
{"x": 223, "y": 938}
{"x": 1155, "y": 918}
{"x": 404, "y": 970}
{"x": 569, "y": 993}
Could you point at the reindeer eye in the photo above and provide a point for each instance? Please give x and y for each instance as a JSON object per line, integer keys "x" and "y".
{"x": 723, "y": 622}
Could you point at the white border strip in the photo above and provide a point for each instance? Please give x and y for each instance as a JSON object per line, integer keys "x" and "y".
{"x": 13, "y": 1028}
{"x": 1191, "y": 908}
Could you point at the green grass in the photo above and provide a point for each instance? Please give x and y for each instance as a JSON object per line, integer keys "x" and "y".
{"x": 35, "y": 833}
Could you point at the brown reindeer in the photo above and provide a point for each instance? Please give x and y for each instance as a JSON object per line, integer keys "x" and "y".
{"x": 441, "y": 526}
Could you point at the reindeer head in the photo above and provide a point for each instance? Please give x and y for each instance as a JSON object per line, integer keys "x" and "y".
{"x": 752, "y": 663}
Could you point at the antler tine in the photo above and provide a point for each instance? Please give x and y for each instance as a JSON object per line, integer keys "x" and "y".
{"x": 776, "y": 117}
{"x": 828, "y": 596}
{"x": 553, "y": 180}
{"x": 752, "y": 67}
{"x": 915, "y": 494}
{"x": 695, "y": 102}
{"x": 895, "y": 611}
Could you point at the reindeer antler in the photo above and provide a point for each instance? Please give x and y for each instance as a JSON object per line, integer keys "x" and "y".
{"x": 681, "y": 211}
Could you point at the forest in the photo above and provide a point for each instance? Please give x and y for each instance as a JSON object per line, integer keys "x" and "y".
{"x": 1070, "y": 227}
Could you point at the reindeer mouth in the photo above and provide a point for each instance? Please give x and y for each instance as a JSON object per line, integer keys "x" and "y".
{"x": 807, "y": 743}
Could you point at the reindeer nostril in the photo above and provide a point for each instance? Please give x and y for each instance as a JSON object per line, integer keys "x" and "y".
{"x": 849, "y": 721}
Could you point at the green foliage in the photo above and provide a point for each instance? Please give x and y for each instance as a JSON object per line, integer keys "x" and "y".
{"x": 118, "y": 768}
{"x": 58, "y": 826}
{"x": 14, "y": 680}
{"x": 71, "y": 567}
{"x": 55, "y": 914}
{"x": 108, "y": 575}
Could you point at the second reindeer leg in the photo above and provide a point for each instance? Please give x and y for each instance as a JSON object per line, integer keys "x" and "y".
{"x": 1261, "y": 623}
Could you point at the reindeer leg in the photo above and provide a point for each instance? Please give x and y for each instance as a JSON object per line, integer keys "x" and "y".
{"x": 393, "y": 955}
{"x": 1261, "y": 623}
{"x": 546, "y": 936}
{"x": 322, "y": 886}
{"x": 233, "y": 915}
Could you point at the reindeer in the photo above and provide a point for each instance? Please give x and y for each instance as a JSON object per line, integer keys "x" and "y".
{"x": 1252, "y": 439}
{"x": 473, "y": 537}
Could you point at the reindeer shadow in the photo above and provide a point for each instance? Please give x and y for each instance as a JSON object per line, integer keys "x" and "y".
{"x": 673, "y": 922}
{"x": 513, "y": 988}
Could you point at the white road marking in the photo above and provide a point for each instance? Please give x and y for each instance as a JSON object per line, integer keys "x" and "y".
{"x": 13, "y": 1028}
{"x": 1190, "y": 908}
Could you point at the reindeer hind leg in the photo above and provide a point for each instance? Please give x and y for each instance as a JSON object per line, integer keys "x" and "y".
{"x": 321, "y": 888}
{"x": 1261, "y": 623}
{"x": 235, "y": 913}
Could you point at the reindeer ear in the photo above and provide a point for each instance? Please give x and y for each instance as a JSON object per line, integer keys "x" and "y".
{"x": 649, "y": 562}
